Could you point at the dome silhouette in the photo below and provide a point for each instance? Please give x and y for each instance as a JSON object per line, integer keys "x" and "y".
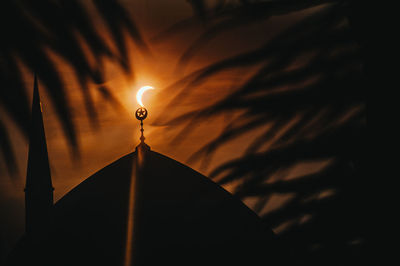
{"x": 180, "y": 218}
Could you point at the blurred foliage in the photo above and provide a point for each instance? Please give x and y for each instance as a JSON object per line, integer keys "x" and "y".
{"x": 34, "y": 30}
{"x": 308, "y": 97}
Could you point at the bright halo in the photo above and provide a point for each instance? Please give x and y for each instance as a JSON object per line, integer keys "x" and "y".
{"x": 140, "y": 92}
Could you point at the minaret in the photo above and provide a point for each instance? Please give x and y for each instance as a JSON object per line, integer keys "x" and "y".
{"x": 38, "y": 189}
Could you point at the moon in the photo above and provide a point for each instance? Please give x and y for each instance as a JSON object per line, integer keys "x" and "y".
{"x": 140, "y": 92}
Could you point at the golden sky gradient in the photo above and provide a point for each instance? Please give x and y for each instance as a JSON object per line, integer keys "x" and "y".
{"x": 118, "y": 132}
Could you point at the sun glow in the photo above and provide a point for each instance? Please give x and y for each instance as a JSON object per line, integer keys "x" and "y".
{"x": 140, "y": 92}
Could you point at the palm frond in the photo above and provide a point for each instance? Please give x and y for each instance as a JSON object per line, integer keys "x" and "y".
{"x": 33, "y": 30}
{"x": 308, "y": 100}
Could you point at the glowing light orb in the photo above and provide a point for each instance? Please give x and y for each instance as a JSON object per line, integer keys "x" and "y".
{"x": 140, "y": 92}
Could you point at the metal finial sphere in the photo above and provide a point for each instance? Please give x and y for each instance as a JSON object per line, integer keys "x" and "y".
{"x": 141, "y": 113}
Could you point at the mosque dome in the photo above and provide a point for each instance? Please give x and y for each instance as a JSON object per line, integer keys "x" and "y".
{"x": 148, "y": 209}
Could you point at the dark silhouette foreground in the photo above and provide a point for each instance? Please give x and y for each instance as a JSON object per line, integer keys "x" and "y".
{"x": 181, "y": 218}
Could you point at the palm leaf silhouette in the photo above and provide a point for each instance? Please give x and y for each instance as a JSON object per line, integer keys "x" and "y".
{"x": 310, "y": 89}
{"x": 310, "y": 92}
{"x": 30, "y": 29}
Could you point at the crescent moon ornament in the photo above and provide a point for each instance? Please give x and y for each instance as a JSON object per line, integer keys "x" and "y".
{"x": 140, "y": 92}
{"x": 141, "y": 113}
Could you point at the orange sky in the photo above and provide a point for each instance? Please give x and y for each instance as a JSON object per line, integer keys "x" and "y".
{"x": 119, "y": 130}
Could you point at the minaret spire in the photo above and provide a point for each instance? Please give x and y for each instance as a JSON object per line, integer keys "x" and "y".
{"x": 39, "y": 188}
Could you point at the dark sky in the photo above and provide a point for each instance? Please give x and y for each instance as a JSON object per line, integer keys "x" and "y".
{"x": 119, "y": 130}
